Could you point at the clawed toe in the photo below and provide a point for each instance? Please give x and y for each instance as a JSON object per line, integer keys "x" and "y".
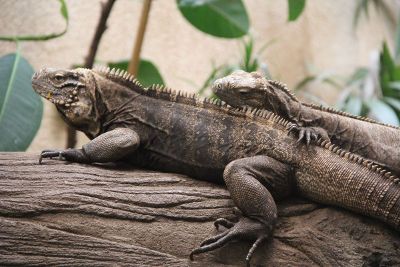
{"x": 50, "y": 154}
{"x": 246, "y": 228}
{"x": 224, "y": 222}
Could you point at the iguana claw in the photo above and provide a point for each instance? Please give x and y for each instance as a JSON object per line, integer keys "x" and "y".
{"x": 245, "y": 228}
{"x": 304, "y": 133}
{"x": 50, "y": 154}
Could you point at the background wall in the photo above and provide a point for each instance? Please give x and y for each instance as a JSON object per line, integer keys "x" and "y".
{"x": 323, "y": 36}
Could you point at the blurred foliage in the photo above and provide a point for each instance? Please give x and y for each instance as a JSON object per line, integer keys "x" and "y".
{"x": 362, "y": 7}
{"x": 147, "y": 74}
{"x": 220, "y": 18}
{"x": 372, "y": 91}
{"x": 249, "y": 61}
{"x": 296, "y": 7}
{"x": 20, "y": 107}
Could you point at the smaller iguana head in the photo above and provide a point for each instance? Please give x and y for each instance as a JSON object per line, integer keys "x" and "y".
{"x": 241, "y": 89}
{"x": 72, "y": 92}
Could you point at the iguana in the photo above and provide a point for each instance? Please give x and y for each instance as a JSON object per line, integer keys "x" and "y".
{"x": 366, "y": 137}
{"x": 251, "y": 152}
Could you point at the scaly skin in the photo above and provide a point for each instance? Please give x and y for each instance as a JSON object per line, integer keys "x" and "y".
{"x": 251, "y": 152}
{"x": 363, "y": 136}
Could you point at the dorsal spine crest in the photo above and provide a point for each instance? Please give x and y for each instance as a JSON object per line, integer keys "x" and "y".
{"x": 162, "y": 92}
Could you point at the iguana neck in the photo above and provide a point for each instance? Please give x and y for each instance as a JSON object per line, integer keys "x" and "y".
{"x": 281, "y": 101}
{"x": 112, "y": 100}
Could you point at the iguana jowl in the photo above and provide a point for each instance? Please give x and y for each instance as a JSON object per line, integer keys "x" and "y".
{"x": 366, "y": 137}
{"x": 250, "y": 151}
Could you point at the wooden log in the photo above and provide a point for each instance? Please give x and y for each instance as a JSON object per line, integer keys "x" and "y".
{"x": 72, "y": 214}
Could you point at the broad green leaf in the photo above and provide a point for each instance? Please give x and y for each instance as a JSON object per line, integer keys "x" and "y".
{"x": 20, "y": 107}
{"x": 382, "y": 112}
{"x": 395, "y": 103}
{"x": 148, "y": 73}
{"x": 221, "y": 18}
{"x": 122, "y": 65}
{"x": 296, "y": 7}
{"x": 43, "y": 37}
{"x": 353, "y": 105}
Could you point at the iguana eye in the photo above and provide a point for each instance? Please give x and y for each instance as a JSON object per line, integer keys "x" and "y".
{"x": 244, "y": 91}
{"x": 59, "y": 77}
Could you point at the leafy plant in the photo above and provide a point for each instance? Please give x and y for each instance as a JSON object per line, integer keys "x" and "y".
{"x": 20, "y": 107}
{"x": 296, "y": 7}
{"x": 249, "y": 61}
{"x": 147, "y": 72}
{"x": 372, "y": 92}
{"x": 221, "y": 18}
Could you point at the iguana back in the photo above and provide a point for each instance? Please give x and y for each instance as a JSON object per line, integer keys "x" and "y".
{"x": 366, "y": 137}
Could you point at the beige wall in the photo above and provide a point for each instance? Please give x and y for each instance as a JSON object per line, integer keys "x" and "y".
{"x": 323, "y": 37}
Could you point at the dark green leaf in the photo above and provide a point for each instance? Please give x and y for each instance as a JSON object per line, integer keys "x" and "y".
{"x": 44, "y": 37}
{"x": 122, "y": 65}
{"x": 221, "y": 18}
{"x": 382, "y": 112}
{"x": 20, "y": 107}
{"x": 296, "y": 7}
{"x": 148, "y": 73}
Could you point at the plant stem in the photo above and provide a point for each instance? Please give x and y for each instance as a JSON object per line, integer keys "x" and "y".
{"x": 89, "y": 60}
{"x": 134, "y": 62}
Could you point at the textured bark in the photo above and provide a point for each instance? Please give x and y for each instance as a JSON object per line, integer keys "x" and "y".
{"x": 73, "y": 214}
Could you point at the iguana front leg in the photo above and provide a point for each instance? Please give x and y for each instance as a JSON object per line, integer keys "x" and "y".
{"x": 107, "y": 147}
{"x": 308, "y": 133}
{"x": 246, "y": 179}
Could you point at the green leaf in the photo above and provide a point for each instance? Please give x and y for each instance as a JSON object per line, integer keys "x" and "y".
{"x": 353, "y": 105}
{"x": 64, "y": 10}
{"x": 382, "y": 112}
{"x": 395, "y": 103}
{"x": 20, "y": 107}
{"x": 148, "y": 73}
{"x": 362, "y": 5}
{"x": 122, "y": 65}
{"x": 221, "y": 18}
{"x": 43, "y": 37}
{"x": 296, "y": 7}
{"x": 359, "y": 74}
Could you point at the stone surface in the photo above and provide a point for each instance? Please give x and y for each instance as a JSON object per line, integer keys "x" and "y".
{"x": 72, "y": 214}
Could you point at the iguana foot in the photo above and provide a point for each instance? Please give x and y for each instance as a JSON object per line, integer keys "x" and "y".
{"x": 245, "y": 228}
{"x": 307, "y": 133}
{"x": 76, "y": 155}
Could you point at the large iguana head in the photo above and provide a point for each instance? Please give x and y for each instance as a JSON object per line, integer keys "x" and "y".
{"x": 241, "y": 89}
{"x": 73, "y": 93}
